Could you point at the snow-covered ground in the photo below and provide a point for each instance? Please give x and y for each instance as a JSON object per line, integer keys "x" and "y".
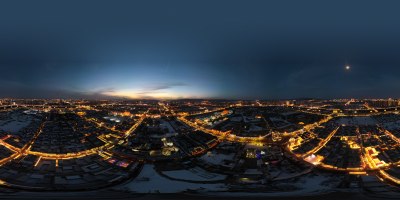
{"x": 171, "y": 130}
{"x": 392, "y": 125}
{"x": 306, "y": 185}
{"x": 217, "y": 159}
{"x": 357, "y": 121}
{"x": 12, "y": 126}
{"x": 195, "y": 174}
{"x": 167, "y": 135}
{"x": 166, "y": 124}
{"x": 255, "y": 128}
{"x": 149, "y": 181}
{"x": 16, "y": 122}
{"x": 314, "y": 183}
{"x": 236, "y": 119}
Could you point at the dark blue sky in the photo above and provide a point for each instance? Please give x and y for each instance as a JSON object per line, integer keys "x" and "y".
{"x": 188, "y": 49}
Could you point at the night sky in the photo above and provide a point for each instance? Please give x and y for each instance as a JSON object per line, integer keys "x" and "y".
{"x": 199, "y": 49}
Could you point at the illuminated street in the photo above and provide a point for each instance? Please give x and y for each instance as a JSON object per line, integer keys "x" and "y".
{"x": 123, "y": 137}
{"x": 226, "y": 99}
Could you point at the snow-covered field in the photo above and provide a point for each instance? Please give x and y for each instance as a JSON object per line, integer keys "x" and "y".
{"x": 171, "y": 130}
{"x": 195, "y": 174}
{"x": 15, "y": 123}
{"x": 165, "y": 124}
{"x": 149, "y": 181}
{"x": 217, "y": 159}
{"x": 307, "y": 185}
{"x": 314, "y": 183}
{"x": 392, "y": 125}
{"x": 357, "y": 121}
{"x": 12, "y": 126}
{"x": 167, "y": 135}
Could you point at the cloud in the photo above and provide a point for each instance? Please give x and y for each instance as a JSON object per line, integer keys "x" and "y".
{"x": 164, "y": 86}
{"x": 13, "y": 89}
{"x": 101, "y": 91}
{"x": 155, "y": 91}
{"x": 160, "y": 88}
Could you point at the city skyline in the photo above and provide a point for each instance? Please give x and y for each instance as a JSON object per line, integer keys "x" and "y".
{"x": 177, "y": 99}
